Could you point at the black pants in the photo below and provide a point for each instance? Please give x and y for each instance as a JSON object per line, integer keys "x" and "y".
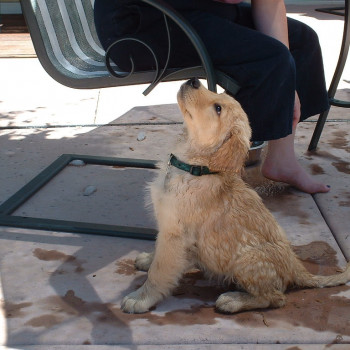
{"x": 268, "y": 73}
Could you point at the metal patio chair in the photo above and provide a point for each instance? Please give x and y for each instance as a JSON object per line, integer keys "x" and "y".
{"x": 65, "y": 40}
{"x": 345, "y": 12}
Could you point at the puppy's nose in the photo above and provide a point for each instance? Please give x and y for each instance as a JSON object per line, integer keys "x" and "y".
{"x": 194, "y": 82}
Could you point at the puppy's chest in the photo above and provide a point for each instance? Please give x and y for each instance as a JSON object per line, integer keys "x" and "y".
{"x": 193, "y": 188}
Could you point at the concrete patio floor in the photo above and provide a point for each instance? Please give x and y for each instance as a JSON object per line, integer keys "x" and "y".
{"x": 63, "y": 291}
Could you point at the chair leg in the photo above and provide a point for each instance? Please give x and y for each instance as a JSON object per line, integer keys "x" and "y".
{"x": 336, "y": 78}
{"x": 318, "y": 130}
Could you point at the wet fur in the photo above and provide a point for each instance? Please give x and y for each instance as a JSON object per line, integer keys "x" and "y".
{"x": 216, "y": 222}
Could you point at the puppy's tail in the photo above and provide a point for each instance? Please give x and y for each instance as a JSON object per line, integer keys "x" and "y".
{"x": 317, "y": 281}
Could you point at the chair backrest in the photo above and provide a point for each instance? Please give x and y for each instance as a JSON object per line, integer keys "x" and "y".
{"x": 66, "y": 43}
{"x": 65, "y": 40}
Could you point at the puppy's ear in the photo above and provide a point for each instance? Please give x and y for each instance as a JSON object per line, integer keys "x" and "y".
{"x": 233, "y": 153}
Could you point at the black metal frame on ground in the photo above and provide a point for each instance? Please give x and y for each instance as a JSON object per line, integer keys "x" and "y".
{"x": 27, "y": 191}
{"x": 340, "y": 11}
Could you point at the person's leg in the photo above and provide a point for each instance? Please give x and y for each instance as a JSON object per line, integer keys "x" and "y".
{"x": 310, "y": 80}
{"x": 281, "y": 163}
{"x": 262, "y": 66}
{"x": 267, "y": 74}
{"x": 266, "y": 71}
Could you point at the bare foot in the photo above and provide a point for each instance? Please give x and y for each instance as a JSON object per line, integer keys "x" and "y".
{"x": 293, "y": 174}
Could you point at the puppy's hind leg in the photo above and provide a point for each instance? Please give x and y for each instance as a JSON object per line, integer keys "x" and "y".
{"x": 233, "y": 302}
{"x": 144, "y": 261}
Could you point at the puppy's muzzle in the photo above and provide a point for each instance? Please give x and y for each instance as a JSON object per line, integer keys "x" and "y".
{"x": 194, "y": 83}
{"x": 187, "y": 88}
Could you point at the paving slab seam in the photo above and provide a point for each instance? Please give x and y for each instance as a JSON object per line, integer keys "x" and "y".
{"x": 186, "y": 346}
{"x": 97, "y": 106}
{"x": 330, "y": 228}
{"x": 13, "y": 127}
{"x": 329, "y": 121}
{"x": 20, "y": 127}
{"x": 194, "y": 345}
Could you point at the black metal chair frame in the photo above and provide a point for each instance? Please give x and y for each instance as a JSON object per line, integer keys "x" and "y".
{"x": 34, "y": 13}
{"x": 345, "y": 12}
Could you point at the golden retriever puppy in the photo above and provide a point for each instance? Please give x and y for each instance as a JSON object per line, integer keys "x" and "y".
{"x": 214, "y": 221}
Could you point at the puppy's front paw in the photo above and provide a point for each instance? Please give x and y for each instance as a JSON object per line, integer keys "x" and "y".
{"x": 140, "y": 301}
{"x": 134, "y": 304}
{"x": 143, "y": 261}
{"x": 226, "y": 303}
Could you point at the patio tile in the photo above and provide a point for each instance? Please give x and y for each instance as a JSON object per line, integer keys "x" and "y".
{"x": 192, "y": 347}
{"x": 115, "y": 102}
{"x": 74, "y": 283}
{"x": 153, "y": 114}
{"x": 32, "y": 97}
{"x": 331, "y": 164}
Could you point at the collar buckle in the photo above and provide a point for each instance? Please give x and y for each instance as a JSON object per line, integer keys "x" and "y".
{"x": 196, "y": 170}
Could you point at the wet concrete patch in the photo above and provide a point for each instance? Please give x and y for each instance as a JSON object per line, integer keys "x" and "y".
{"x": 317, "y": 309}
{"x": 318, "y": 258}
{"x": 289, "y": 203}
{"x": 320, "y": 310}
{"x": 341, "y": 164}
{"x": 343, "y": 167}
{"x": 340, "y": 139}
{"x": 334, "y": 160}
{"x": 71, "y": 305}
{"x": 54, "y": 255}
{"x": 330, "y": 164}
{"x": 13, "y": 310}
{"x": 316, "y": 169}
{"x": 46, "y": 321}
{"x": 126, "y": 267}
{"x": 346, "y": 201}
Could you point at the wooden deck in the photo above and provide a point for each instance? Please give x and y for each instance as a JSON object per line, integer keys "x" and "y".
{"x": 15, "y": 41}
{"x": 13, "y": 24}
{"x": 16, "y": 45}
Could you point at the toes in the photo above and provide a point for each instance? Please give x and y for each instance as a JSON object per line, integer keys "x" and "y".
{"x": 225, "y": 303}
{"x": 143, "y": 261}
{"x": 133, "y": 305}
{"x": 232, "y": 302}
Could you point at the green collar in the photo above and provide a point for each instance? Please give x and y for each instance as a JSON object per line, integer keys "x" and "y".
{"x": 196, "y": 170}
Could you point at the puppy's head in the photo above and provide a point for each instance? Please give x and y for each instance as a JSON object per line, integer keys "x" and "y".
{"x": 217, "y": 126}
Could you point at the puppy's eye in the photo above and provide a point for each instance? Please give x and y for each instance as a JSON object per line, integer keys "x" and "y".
{"x": 217, "y": 109}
